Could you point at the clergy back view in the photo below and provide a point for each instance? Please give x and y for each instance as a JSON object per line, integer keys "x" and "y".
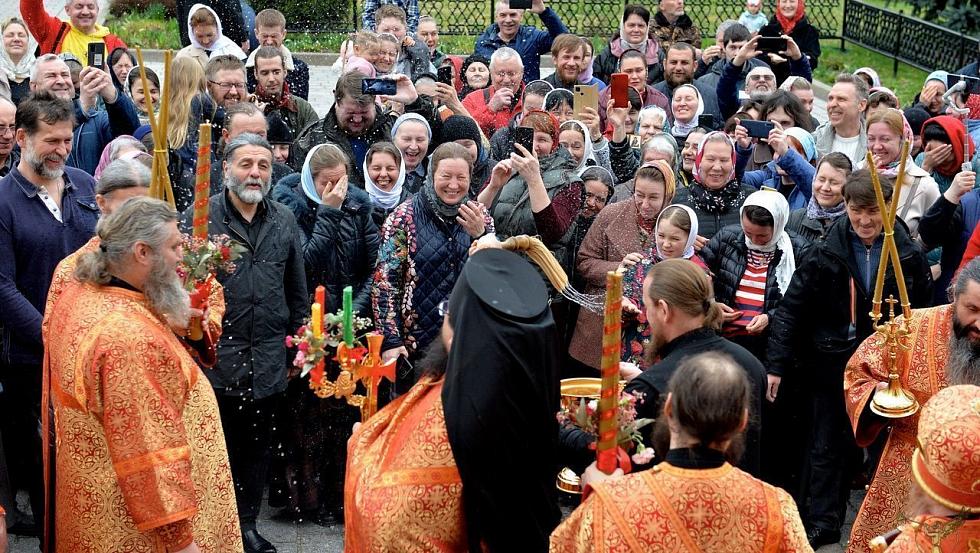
{"x": 695, "y": 500}
{"x": 141, "y": 463}
{"x": 465, "y": 460}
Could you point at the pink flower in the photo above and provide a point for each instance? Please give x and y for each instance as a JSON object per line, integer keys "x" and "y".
{"x": 643, "y": 457}
{"x": 304, "y": 347}
{"x": 289, "y": 341}
{"x": 300, "y": 356}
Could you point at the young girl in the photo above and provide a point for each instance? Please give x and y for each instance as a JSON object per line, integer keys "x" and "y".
{"x": 207, "y": 40}
{"x": 189, "y": 105}
{"x": 384, "y": 179}
{"x": 676, "y": 231}
{"x": 359, "y": 53}
{"x": 388, "y": 48}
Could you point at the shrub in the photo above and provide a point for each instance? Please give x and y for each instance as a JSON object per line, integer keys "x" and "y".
{"x": 152, "y": 8}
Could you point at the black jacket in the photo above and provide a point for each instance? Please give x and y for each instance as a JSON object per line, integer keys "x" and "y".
{"x": 710, "y": 223}
{"x": 814, "y": 321}
{"x": 652, "y": 383}
{"x": 265, "y": 298}
{"x": 811, "y": 230}
{"x": 806, "y": 36}
{"x": 340, "y": 246}
{"x": 726, "y": 255}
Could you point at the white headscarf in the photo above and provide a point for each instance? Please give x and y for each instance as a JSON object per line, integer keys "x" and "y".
{"x": 22, "y": 69}
{"x": 691, "y": 236}
{"x": 775, "y": 203}
{"x": 222, "y": 44}
{"x": 379, "y": 197}
{"x": 681, "y": 128}
{"x": 306, "y": 177}
{"x": 589, "y": 153}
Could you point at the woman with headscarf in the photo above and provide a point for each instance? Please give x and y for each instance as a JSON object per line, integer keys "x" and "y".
{"x": 930, "y": 98}
{"x": 575, "y": 137}
{"x": 412, "y": 136}
{"x": 17, "y": 57}
{"x": 753, "y": 264}
{"x": 622, "y": 234}
{"x": 464, "y": 131}
{"x": 485, "y": 409}
{"x": 826, "y": 203}
{"x": 340, "y": 246}
{"x": 384, "y": 179}
{"x": 634, "y": 34}
{"x": 559, "y": 102}
{"x": 791, "y": 21}
{"x": 586, "y": 77}
{"x": 424, "y": 243}
{"x": 715, "y": 194}
{"x": 791, "y": 170}
{"x": 686, "y": 107}
{"x": 887, "y": 130}
{"x": 122, "y": 147}
{"x": 943, "y": 141}
{"x": 869, "y": 75}
{"x": 209, "y": 30}
{"x": 475, "y": 74}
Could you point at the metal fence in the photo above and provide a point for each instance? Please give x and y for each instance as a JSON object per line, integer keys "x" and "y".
{"x": 902, "y": 38}
{"x": 597, "y": 18}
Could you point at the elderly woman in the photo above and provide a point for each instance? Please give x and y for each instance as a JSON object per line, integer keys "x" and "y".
{"x": 340, "y": 247}
{"x": 715, "y": 195}
{"x": 122, "y": 147}
{"x": 685, "y": 107}
{"x": 412, "y": 135}
{"x": 475, "y": 74}
{"x": 660, "y": 147}
{"x": 17, "y": 58}
{"x": 634, "y": 34}
{"x": 886, "y": 131}
{"x": 619, "y": 238}
{"x": 559, "y": 102}
{"x": 424, "y": 244}
{"x": 577, "y": 138}
{"x": 826, "y": 203}
{"x": 756, "y": 255}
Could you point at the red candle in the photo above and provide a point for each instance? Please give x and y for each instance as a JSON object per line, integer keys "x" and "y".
{"x": 609, "y": 394}
{"x": 202, "y": 182}
{"x": 321, "y": 295}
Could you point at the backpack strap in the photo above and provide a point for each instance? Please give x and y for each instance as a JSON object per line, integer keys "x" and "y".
{"x": 57, "y": 39}
{"x": 911, "y": 197}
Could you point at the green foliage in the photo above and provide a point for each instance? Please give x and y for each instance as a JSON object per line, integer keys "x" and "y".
{"x": 149, "y": 28}
{"x": 833, "y": 60}
{"x": 307, "y": 13}
{"x": 159, "y": 8}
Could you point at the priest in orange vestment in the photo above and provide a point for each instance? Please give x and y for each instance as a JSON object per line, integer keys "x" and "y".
{"x": 140, "y": 460}
{"x": 946, "y": 471}
{"x": 466, "y": 460}
{"x": 694, "y": 500}
{"x": 945, "y": 351}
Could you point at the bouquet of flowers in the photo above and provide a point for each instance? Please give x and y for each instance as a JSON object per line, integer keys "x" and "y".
{"x": 311, "y": 351}
{"x": 202, "y": 260}
{"x": 585, "y": 415}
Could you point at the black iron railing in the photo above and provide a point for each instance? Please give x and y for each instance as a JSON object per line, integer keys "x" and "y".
{"x": 916, "y": 42}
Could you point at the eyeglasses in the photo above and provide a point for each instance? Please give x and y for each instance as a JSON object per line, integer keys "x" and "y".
{"x": 228, "y": 86}
{"x": 503, "y": 74}
{"x": 4, "y": 129}
{"x": 443, "y": 308}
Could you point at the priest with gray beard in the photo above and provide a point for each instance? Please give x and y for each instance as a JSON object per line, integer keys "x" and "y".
{"x": 944, "y": 351}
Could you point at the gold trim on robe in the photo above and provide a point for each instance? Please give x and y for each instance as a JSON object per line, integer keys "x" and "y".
{"x": 403, "y": 491}
{"x": 925, "y": 375}
{"x": 674, "y": 510}
{"x": 914, "y": 538}
{"x": 140, "y": 455}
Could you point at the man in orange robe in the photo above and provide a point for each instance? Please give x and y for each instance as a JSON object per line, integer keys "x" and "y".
{"x": 945, "y": 351}
{"x": 946, "y": 469}
{"x": 140, "y": 464}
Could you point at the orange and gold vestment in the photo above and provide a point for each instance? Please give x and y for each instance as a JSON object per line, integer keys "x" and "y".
{"x": 140, "y": 458}
{"x": 913, "y": 539}
{"x": 403, "y": 491}
{"x": 924, "y": 375}
{"x": 677, "y": 510}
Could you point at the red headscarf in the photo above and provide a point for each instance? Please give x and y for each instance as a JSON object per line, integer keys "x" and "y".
{"x": 457, "y": 62}
{"x": 789, "y": 24}
{"x": 542, "y": 121}
{"x": 956, "y": 132}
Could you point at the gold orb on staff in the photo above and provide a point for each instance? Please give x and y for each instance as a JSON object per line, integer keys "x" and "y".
{"x": 160, "y": 187}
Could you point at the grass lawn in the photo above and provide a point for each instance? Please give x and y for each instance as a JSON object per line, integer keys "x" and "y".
{"x": 906, "y": 84}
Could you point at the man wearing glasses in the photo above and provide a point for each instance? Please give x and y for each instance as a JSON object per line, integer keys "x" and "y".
{"x": 226, "y": 80}
{"x": 493, "y": 107}
{"x": 8, "y": 159}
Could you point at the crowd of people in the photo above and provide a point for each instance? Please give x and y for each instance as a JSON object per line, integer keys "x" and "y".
{"x": 748, "y": 232}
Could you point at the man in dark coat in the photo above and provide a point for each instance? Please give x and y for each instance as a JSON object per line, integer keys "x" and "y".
{"x": 265, "y": 300}
{"x": 679, "y": 66}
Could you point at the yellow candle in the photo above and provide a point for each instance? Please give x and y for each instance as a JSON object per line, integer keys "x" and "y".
{"x": 317, "y": 319}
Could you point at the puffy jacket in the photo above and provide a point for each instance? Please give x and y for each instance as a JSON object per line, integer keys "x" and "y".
{"x": 607, "y": 62}
{"x": 340, "y": 246}
{"x": 710, "y": 223}
{"x": 814, "y": 319}
{"x": 806, "y": 36}
{"x": 529, "y": 42}
{"x": 726, "y": 255}
{"x": 809, "y": 229}
{"x": 797, "y": 168}
{"x": 97, "y": 127}
{"x": 265, "y": 298}
{"x": 419, "y": 261}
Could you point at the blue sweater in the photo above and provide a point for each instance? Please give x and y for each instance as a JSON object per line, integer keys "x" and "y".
{"x": 797, "y": 168}
{"x": 32, "y": 243}
{"x": 529, "y": 42}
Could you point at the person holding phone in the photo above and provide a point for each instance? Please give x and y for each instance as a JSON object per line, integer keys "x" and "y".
{"x": 508, "y": 32}
{"x": 790, "y": 22}
{"x": 55, "y": 36}
{"x": 494, "y": 106}
{"x": 761, "y": 81}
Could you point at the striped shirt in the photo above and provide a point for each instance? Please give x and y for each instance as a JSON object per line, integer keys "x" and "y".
{"x": 750, "y": 296}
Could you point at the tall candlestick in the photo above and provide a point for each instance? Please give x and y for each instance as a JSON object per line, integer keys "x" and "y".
{"x": 609, "y": 394}
{"x": 349, "y": 316}
{"x": 202, "y": 182}
{"x": 316, "y": 318}
{"x": 321, "y": 295}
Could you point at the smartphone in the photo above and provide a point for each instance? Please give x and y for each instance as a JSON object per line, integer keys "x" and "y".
{"x": 585, "y": 96}
{"x": 706, "y": 121}
{"x": 525, "y": 137}
{"x": 378, "y": 87}
{"x": 445, "y": 75}
{"x": 619, "y": 89}
{"x": 972, "y": 83}
{"x": 520, "y": 4}
{"x": 96, "y": 54}
{"x": 758, "y": 129}
{"x": 773, "y": 44}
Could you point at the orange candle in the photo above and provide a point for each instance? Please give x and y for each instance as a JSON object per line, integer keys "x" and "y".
{"x": 609, "y": 394}
{"x": 321, "y": 295}
{"x": 202, "y": 182}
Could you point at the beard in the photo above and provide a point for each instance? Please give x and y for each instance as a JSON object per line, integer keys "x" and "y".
{"x": 245, "y": 194}
{"x": 963, "y": 365}
{"x": 39, "y": 167}
{"x": 165, "y": 293}
{"x": 652, "y": 350}
{"x": 675, "y": 80}
{"x": 760, "y": 95}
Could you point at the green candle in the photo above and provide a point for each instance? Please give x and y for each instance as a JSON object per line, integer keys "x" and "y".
{"x": 349, "y": 316}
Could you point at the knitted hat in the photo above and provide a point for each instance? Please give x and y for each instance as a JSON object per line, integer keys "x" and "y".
{"x": 460, "y": 127}
{"x": 946, "y": 463}
{"x": 916, "y": 116}
{"x": 279, "y": 132}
